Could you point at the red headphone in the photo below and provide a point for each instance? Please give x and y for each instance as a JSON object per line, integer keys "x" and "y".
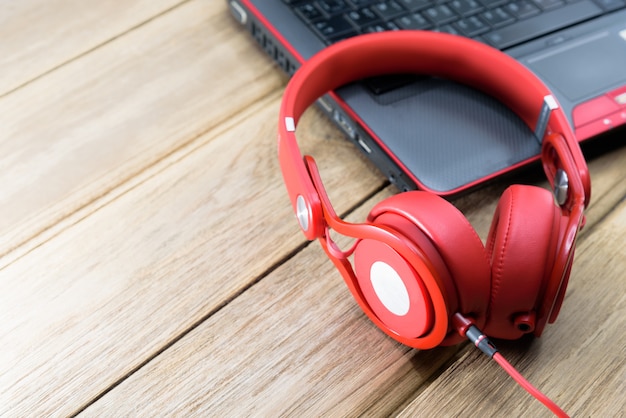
{"x": 418, "y": 263}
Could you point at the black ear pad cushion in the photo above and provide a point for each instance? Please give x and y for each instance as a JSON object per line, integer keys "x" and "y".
{"x": 522, "y": 244}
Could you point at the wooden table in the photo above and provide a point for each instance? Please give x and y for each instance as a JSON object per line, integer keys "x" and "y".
{"x": 150, "y": 263}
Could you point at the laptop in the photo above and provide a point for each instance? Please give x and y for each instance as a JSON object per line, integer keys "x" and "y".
{"x": 437, "y": 135}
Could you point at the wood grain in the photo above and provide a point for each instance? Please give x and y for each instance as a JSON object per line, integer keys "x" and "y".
{"x": 41, "y": 36}
{"x": 71, "y": 137}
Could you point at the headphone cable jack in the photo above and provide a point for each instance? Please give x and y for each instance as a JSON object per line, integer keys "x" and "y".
{"x": 468, "y": 330}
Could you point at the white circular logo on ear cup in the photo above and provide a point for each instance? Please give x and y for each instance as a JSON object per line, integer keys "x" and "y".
{"x": 390, "y": 288}
{"x": 393, "y": 292}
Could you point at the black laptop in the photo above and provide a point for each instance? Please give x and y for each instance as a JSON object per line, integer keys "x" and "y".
{"x": 439, "y": 135}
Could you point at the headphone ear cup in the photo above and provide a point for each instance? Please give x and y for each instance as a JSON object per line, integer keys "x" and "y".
{"x": 449, "y": 242}
{"x": 522, "y": 244}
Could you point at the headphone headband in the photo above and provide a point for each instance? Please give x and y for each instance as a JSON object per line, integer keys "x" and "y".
{"x": 443, "y": 55}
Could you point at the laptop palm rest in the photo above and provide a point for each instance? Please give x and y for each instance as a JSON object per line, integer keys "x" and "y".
{"x": 446, "y": 134}
{"x": 579, "y": 69}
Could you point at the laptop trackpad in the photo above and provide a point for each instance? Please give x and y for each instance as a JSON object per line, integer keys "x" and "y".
{"x": 579, "y": 69}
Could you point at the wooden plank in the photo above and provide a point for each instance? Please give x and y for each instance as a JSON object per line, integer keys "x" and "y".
{"x": 96, "y": 301}
{"x": 296, "y": 344}
{"x": 69, "y": 138}
{"x": 40, "y": 36}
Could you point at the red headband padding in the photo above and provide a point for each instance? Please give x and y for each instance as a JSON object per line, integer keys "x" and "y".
{"x": 418, "y": 52}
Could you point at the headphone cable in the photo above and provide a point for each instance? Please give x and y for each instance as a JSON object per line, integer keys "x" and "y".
{"x": 480, "y": 340}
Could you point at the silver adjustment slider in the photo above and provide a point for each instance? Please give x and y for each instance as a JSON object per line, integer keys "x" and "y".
{"x": 302, "y": 212}
{"x": 561, "y": 187}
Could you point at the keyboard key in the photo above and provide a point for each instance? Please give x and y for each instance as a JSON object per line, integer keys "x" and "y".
{"x": 542, "y": 24}
{"x": 497, "y": 17}
{"x": 440, "y": 14}
{"x": 465, "y": 7}
{"x": 471, "y": 26}
{"x": 381, "y": 27}
{"x": 333, "y": 27}
{"x": 388, "y": 9}
{"x": 333, "y": 7}
{"x": 521, "y": 9}
{"x": 309, "y": 12}
{"x": 414, "y": 21}
{"x": 362, "y": 17}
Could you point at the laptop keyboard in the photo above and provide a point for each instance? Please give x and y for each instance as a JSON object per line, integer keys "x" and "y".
{"x": 500, "y": 23}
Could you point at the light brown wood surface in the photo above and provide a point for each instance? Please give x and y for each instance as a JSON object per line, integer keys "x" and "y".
{"x": 150, "y": 264}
